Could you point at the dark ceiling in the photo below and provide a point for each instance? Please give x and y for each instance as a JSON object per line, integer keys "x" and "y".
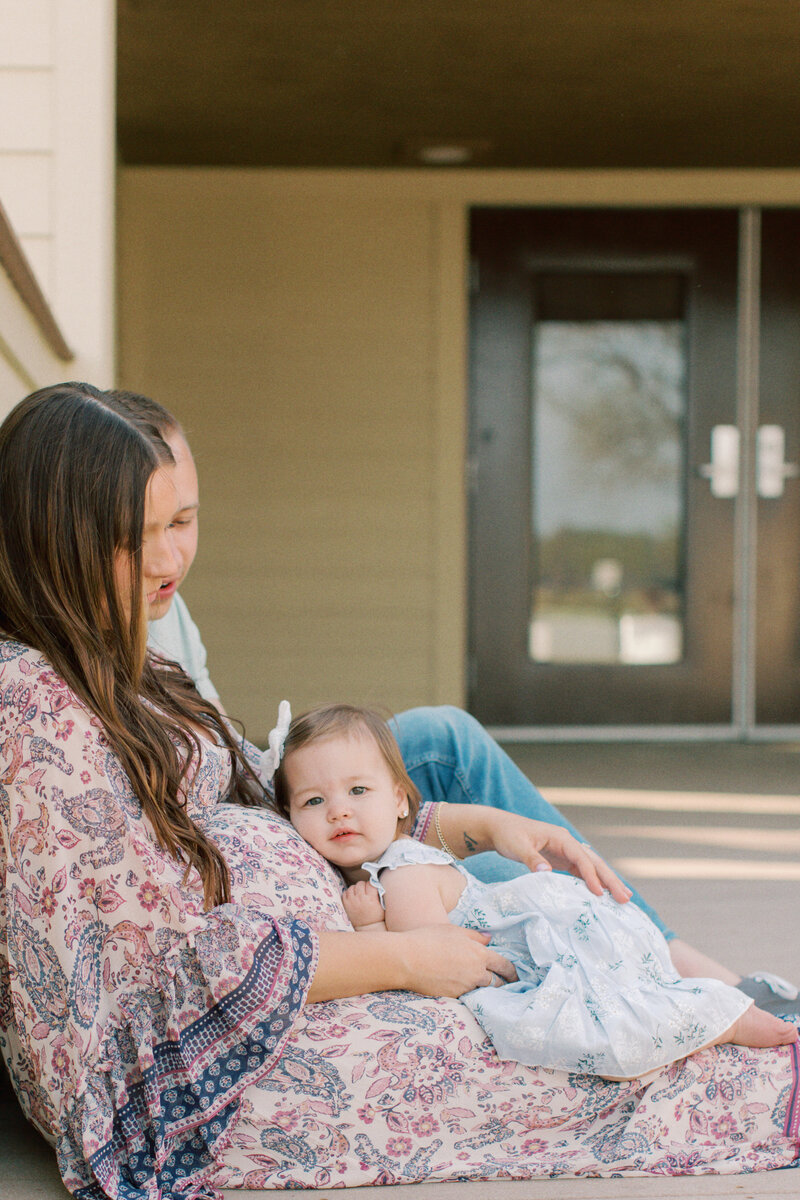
{"x": 360, "y": 83}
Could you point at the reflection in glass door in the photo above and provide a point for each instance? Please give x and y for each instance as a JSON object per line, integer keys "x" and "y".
{"x": 608, "y": 400}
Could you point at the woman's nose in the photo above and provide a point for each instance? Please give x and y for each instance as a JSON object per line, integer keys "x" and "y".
{"x": 162, "y": 559}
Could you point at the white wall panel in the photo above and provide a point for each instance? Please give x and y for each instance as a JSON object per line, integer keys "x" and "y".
{"x": 58, "y": 163}
{"x": 25, "y": 191}
{"x": 26, "y": 109}
{"x": 26, "y": 27}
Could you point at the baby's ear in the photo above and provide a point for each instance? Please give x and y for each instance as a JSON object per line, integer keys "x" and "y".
{"x": 402, "y": 802}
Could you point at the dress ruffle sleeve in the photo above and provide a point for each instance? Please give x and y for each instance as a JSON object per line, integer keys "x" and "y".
{"x": 131, "y": 1020}
{"x": 406, "y": 852}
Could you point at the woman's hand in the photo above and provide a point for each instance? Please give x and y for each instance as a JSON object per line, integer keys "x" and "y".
{"x": 541, "y": 846}
{"x": 537, "y": 844}
{"x": 446, "y": 960}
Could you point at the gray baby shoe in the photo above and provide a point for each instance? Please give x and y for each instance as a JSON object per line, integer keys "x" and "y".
{"x": 770, "y": 992}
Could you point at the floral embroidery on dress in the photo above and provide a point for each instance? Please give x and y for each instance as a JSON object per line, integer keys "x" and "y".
{"x": 596, "y": 991}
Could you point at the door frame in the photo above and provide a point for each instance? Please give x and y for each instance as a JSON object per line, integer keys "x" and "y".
{"x": 743, "y": 725}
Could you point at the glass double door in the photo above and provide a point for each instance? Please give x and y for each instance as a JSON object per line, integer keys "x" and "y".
{"x": 635, "y": 506}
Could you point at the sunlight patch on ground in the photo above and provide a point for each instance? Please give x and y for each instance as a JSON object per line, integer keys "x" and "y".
{"x": 766, "y": 840}
{"x": 730, "y": 802}
{"x": 706, "y": 868}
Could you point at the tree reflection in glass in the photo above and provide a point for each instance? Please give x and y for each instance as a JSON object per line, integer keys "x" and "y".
{"x": 608, "y": 491}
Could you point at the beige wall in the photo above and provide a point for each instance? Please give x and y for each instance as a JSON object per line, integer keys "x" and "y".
{"x": 310, "y": 330}
{"x": 298, "y": 339}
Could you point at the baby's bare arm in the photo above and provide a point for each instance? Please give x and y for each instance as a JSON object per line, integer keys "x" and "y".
{"x": 418, "y": 895}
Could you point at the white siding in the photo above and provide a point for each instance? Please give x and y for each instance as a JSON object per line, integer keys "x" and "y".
{"x": 57, "y": 166}
{"x": 27, "y": 136}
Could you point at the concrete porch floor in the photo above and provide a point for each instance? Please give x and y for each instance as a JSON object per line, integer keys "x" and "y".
{"x": 709, "y": 833}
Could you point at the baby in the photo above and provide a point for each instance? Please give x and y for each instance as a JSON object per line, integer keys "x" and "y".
{"x": 596, "y": 990}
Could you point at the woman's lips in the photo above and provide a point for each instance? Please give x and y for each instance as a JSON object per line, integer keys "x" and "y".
{"x": 165, "y": 592}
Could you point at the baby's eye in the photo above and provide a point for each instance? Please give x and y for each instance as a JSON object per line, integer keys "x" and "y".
{"x": 312, "y": 800}
{"x": 357, "y": 790}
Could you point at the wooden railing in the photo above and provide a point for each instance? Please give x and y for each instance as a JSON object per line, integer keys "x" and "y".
{"x": 16, "y": 266}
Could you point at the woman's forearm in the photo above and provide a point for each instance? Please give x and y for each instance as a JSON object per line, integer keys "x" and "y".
{"x": 471, "y": 828}
{"x": 353, "y": 964}
{"x": 439, "y": 960}
{"x": 465, "y": 828}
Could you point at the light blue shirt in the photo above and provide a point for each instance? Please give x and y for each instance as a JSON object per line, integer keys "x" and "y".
{"x": 177, "y": 637}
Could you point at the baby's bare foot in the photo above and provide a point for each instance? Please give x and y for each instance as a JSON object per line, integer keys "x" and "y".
{"x": 758, "y": 1028}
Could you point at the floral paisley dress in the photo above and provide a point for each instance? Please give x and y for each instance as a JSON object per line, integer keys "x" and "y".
{"x": 596, "y": 992}
{"x": 166, "y": 1052}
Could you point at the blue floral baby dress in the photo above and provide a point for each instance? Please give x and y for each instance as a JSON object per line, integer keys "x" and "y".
{"x": 597, "y": 992}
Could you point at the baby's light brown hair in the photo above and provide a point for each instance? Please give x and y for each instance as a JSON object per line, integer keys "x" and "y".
{"x": 342, "y": 720}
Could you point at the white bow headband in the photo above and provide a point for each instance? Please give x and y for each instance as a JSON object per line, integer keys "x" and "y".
{"x": 271, "y": 758}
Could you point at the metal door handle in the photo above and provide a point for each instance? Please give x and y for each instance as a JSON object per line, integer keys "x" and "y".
{"x": 771, "y": 470}
{"x": 723, "y": 470}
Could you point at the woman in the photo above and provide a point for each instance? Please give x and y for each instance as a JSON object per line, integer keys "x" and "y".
{"x": 164, "y": 953}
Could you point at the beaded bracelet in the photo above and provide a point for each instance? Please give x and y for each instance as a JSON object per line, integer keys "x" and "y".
{"x": 439, "y": 833}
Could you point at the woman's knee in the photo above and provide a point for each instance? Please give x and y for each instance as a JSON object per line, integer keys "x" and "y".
{"x": 442, "y": 727}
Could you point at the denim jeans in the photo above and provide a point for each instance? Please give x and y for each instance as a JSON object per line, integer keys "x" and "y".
{"x": 451, "y": 757}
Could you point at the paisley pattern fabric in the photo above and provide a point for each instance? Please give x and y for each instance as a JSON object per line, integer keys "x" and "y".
{"x": 165, "y": 1052}
{"x": 395, "y": 1088}
{"x": 596, "y": 990}
{"x": 132, "y": 1021}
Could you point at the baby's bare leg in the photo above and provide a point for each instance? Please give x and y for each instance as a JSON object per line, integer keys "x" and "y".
{"x": 753, "y": 1028}
{"x": 689, "y": 963}
{"x": 758, "y": 1028}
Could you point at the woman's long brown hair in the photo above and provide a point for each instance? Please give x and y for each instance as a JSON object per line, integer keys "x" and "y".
{"x": 74, "y": 472}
